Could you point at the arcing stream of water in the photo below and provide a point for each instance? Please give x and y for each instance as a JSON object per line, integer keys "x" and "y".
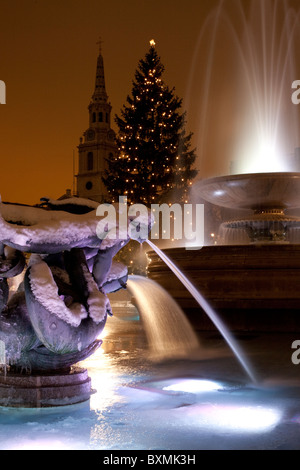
{"x": 208, "y": 310}
{"x": 168, "y": 331}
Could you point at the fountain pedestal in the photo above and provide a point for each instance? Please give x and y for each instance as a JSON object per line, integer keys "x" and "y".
{"x": 45, "y": 390}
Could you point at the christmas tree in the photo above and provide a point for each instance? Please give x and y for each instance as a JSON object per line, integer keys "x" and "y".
{"x": 154, "y": 163}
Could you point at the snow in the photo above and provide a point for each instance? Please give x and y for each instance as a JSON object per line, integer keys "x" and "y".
{"x": 60, "y": 228}
{"x": 45, "y": 291}
{"x": 117, "y": 271}
{"x": 97, "y": 301}
{"x": 28, "y": 215}
{"x": 46, "y": 227}
{"x": 76, "y": 201}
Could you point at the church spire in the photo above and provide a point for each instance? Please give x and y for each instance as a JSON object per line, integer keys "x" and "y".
{"x": 100, "y": 94}
{"x": 99, "y": 107}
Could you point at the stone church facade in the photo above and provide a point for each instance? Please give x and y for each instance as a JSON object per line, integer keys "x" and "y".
{"x": 97, "y": 142}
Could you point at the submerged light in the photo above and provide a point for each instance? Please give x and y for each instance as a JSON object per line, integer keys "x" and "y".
{"x": 194, "y": 386}
{"x": 240, "y": 418}
{"x": 229, "y": 418}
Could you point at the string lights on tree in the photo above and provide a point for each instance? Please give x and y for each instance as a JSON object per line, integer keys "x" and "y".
{"x": 154, "y": 163}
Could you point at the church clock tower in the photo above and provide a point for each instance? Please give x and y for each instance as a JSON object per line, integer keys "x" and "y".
{"x": 97, "y": 143}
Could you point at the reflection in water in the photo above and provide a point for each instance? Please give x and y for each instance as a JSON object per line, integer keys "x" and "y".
{"x": 110, "y": 365}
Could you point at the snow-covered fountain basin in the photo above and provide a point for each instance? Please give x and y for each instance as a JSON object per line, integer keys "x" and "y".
{"x": 253, "y": 276}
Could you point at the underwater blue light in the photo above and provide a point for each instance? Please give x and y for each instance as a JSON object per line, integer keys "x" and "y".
{"x": 194, "y": 386}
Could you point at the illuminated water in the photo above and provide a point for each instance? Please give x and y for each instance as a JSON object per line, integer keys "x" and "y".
{"x": 168, "y": 331}
{"x": 200, "y": 403}
{"x": 254, "y": 45}
{"x": 208, "y": 310}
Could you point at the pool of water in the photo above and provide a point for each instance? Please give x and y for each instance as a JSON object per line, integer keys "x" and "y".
{"x": 203, "y": 402}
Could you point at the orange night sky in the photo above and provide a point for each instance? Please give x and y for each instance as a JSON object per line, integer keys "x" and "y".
{"x": 48, "y": 56}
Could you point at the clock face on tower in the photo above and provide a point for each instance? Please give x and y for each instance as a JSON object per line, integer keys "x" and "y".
{"x": 90, "y": 135}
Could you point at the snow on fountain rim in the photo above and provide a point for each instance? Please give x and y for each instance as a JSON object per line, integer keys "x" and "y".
{"x": 59, "y": 227}
{"x": 47, "y": 227}
{"x": 45, "y": 291}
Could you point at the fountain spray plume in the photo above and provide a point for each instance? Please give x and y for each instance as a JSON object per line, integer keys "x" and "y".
{"x": 268, "y": 59}
{"x": 208, "y": 310}
{"x": 256, "y": 122}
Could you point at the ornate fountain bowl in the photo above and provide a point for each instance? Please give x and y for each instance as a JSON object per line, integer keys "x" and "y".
{"x": 268, "y": 195}
{"x": 257, "y": 191}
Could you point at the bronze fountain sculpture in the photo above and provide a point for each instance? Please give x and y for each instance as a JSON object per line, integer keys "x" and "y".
{"x": 60, "y": 308}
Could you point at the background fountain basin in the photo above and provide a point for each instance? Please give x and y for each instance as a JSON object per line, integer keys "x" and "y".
{"x": 267, "y": 196}
{"x": 257, "y": 191}
{"x": 252, "y": 287}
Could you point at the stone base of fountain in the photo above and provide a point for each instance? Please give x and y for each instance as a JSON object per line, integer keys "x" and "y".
{"x": 45, "y": 390}
{"x": 253, "y": 287}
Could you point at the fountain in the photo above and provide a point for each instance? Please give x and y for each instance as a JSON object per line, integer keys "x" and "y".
{"x": 267, "y": 195}
{"x": 254, "y": 285}
{"x": 251, "y": 276}
{"x": 53, "y": 318}
{"x": 212, "y": 315}
{"x": 55, "y": 275}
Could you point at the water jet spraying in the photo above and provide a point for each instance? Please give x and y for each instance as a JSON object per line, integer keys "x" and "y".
{"x": 208, "y": 310}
